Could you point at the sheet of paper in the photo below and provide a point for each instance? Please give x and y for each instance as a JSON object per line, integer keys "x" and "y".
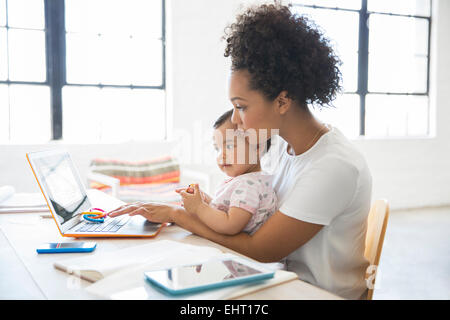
{"x": 24, "y": 200}
{"x": 148, "y": 254}
{"x": 6, "y": 192}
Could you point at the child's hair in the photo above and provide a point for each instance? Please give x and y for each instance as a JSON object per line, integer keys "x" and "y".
{"x": 224, "y": 117}
{"x": 227, "y": 116}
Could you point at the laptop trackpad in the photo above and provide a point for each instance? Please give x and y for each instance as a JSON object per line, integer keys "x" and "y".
{"x": 139, "y": 225}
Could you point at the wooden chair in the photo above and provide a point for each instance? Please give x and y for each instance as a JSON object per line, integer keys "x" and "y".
{"x": 376, "y": 229}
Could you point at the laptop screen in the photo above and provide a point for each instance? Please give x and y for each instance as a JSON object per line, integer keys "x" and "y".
{"x": 62, "y": 185}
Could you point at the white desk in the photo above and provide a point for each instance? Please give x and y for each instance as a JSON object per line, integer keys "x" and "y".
{"x": 24, "y": 274}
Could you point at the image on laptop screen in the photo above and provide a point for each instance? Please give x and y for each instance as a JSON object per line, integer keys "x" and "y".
{"x": 64, "y": 188}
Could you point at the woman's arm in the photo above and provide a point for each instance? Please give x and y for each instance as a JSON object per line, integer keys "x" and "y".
{"x": 278, "y": 236}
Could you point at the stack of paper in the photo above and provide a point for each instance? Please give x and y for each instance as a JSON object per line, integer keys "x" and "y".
{"x": 6, "y": 192}
{"x": 11, "y": 202}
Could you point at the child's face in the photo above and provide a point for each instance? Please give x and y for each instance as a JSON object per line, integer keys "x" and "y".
{"x": 233, "y": 151}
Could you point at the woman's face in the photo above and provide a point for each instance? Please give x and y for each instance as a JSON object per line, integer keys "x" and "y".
{"x": 251, "y": 110}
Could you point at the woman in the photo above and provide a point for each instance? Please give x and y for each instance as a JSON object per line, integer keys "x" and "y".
{"x": 280, "y": 65}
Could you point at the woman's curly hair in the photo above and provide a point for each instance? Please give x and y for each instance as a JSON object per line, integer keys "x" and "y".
{"x": 284, "y": 51}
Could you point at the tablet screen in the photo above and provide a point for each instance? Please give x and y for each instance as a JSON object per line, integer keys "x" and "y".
{"x": 210, "y": 272}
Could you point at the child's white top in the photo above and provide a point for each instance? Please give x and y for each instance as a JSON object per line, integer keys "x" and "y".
{"x": 330, "y": 184}
{"x": 252, "y": 192}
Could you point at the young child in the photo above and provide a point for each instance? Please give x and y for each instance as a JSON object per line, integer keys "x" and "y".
{"x": 245, "y": 200}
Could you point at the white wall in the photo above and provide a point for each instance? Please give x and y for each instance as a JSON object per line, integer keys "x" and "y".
{"x": 408, "y": 172}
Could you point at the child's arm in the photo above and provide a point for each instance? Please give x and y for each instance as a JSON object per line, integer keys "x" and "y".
{"x": 226, "y": 223}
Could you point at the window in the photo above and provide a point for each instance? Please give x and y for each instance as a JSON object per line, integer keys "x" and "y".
{"x": 384, "y": 47}
{"x": 23, "y": 78}
{"x": 82, "y": 70}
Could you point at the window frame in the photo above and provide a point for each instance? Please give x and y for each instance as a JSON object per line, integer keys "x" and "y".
{"x": 55, "y": 55}
{"x": 363, "y": 56}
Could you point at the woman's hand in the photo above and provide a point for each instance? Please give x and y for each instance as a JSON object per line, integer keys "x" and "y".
{"x": 154, "y": 212}
{"x": 192, "y": 201}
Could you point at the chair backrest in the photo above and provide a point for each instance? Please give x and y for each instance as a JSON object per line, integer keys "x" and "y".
{"x": 376, "y": 230}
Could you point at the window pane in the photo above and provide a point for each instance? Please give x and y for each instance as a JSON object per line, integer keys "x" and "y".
{"x": 3, "y": 55}
{"x": 346, "y": 4}
{"x": 30, "y": 113}
{"x": 395, "y": 115}
{"x": 97, "y": 59}
{"x": 111, "y": 59}
{"x": 81, "y": 109}
{"x": 2, "y": 13}
{"x": 128, "y": 17}
{"x": 145, "y": 61}
{"x": 410, "y": 7}
{"x": 398, "y": 48}
{"x": 349, "y": 70}
{"x": 83, "y": 58}
{"x": 341, "y": 28}
{"x": 345, "y": 115}
{"x": 26, "y": 14}
{"x": 4, "y": 113}
{"x": 27, "y": 55}
{"x": 113, "y": 115}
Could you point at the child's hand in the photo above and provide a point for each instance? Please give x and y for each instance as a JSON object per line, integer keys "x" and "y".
{"x": 190, "y": 189}
{"x": 192, "y": 201}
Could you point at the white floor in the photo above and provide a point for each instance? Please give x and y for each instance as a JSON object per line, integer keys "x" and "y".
{"x": 415, "y": 261}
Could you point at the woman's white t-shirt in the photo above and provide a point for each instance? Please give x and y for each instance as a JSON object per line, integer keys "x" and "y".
{"x": 330, "y": 184}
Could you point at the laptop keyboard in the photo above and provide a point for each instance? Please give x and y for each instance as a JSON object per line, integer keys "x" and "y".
{"x": 110, "y": 225}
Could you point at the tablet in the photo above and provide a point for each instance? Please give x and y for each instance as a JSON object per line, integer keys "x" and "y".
{"x": 215, "y": 273}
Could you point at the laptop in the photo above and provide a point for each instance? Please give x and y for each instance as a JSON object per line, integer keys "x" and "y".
{"x": 66, "y": 199}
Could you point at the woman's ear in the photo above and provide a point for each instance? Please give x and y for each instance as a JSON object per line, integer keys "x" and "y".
{"x": 283, "y": 102}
